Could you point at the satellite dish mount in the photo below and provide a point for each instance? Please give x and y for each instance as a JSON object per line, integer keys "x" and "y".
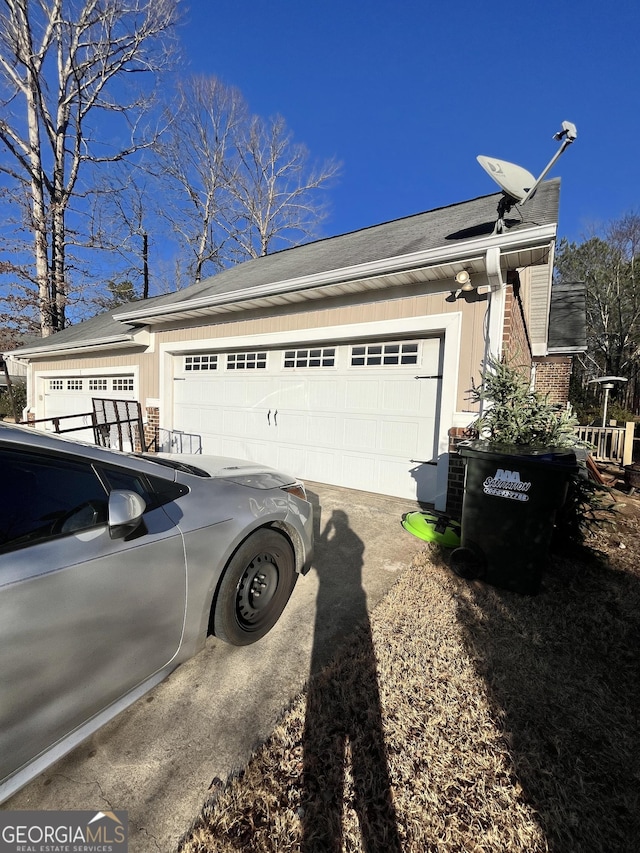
{"x": 517, "y": 184}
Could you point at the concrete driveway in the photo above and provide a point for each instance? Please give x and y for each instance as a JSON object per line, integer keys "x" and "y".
{"x": 158, "y": 759}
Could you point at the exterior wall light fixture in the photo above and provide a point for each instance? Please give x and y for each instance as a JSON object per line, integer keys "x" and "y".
{"x": 464, "y": 280}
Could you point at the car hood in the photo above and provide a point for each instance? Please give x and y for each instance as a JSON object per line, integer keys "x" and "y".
{"x": 237, "y": 470}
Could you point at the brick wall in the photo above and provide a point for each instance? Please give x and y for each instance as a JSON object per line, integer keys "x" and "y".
{"x": 515, "y": 340}
{"x": 455, "y": 480}
{"x": 151, "y": 427}
{"x": 552, "y": 378}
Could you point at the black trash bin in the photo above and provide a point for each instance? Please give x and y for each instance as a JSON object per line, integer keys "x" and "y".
{"x": 511, "y": 496}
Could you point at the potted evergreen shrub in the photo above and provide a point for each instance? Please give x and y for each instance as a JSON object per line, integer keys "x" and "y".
{"x": 524, "y": 486}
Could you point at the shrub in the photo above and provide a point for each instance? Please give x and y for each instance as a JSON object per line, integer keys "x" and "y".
{"x": 513, "y": 413}
{"x": 19, "y": 392}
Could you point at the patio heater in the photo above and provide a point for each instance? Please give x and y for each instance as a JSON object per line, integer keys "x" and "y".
{"x": 607, "y": 383}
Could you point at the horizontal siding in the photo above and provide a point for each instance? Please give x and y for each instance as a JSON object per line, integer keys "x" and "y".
{"x": 146, "y": 363}
{"x": 322, "y": 315}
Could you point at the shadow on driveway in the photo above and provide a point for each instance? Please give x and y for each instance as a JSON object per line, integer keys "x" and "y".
{"x": 343, "y": 731}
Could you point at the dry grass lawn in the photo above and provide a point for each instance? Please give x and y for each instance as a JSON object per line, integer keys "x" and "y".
{"x": 462, "y": 718}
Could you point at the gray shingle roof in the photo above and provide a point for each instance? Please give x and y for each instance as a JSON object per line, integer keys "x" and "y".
{"x": 441, "y": 227}
{"x": 444, "y": 226}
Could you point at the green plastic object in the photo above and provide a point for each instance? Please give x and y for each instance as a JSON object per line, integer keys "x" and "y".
{"x": 433, "y": 528}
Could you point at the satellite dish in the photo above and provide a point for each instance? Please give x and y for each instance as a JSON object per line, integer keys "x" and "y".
{"x": 512, "y": 179}
{"x": 517, "y": 184}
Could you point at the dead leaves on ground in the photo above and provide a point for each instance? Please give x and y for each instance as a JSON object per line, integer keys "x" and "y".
{"x": 510, "y": 723}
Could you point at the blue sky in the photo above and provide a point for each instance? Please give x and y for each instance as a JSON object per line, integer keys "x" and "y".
{"x": 406, "y": 94}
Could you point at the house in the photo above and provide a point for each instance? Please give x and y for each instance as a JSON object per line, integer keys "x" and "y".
{"x": 345, "y": 361}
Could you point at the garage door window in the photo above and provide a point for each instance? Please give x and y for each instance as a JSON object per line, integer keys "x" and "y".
{"x": 123, "y": 383}
{"x": 202, "y": 361}
{"x": 76, "y": 383}
{"x": 246, "y": 360}
{"x": 377, "y": 355}
{"x": 316, "y": 357}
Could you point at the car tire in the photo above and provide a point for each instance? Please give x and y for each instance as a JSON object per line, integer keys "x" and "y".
{"x": 255, "y": 588}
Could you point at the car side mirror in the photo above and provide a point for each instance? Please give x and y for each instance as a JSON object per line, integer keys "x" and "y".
{"x": 125, "y": 512}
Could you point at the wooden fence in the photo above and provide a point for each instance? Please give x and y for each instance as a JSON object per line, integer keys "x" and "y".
{"x": 610, "y": 444}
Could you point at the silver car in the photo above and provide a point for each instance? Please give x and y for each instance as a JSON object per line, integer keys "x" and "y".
{"x": 115, "y": 567}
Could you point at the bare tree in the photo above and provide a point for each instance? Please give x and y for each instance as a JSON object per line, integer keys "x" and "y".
{"x": 196, "y": 154}
{"x": 124, "y": 220}
{"x": 275, "y": 191}
{"x": 608, "y": 266}
{"x": 241, "y": 186}
{"x": 65, "y": 66}
{"x": 18, "y": 308}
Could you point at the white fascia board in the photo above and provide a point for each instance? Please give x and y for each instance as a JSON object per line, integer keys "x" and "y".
{"x": 505, "y": 242}
{"x": 140, "y": 337}
{"x": 76, "y": 346}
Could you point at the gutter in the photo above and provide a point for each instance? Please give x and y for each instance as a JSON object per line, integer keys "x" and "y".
{"x": 509, "y": 241}
{"x": 94, "y": 343}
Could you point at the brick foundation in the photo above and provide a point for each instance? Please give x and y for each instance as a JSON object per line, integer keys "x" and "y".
{"x": 455, "y": 479}
{"x": 151, "y": 428}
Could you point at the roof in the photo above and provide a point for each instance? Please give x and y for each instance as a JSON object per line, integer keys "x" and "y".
{"x": 568, "y": 318}
{"x": 433, "y": 239}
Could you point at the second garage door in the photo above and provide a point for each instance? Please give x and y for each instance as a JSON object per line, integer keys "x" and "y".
{"x": 361, "y": 415}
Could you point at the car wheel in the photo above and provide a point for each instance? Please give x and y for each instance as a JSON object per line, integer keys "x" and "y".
{"x": 255, "y": 588}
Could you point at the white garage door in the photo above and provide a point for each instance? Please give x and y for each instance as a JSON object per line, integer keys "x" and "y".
{"x": 73, "y": 395}
{"x": 361, "y": 415}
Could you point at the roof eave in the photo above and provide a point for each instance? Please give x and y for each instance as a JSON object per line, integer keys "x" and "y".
{"x": 506, "y": 242}
{"x": 566, "y": 350}
{"x": 112, "y": 342}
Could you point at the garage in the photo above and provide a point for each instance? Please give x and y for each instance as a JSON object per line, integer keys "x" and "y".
{"x": 362, "y": 414}
{"x": 345, "y": 361}
{"x": 73, "y": 394}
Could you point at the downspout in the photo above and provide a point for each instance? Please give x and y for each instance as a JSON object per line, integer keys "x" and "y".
{"x": 495, "y": 309}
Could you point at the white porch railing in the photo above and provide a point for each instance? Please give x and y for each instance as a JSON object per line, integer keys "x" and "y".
{"x": 611, "y": 444}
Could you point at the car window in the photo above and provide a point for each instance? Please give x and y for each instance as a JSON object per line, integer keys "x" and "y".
{"x": 153, "y": 490}
{"x": 42, "y": 497}
{"x": 116, "y": 478}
